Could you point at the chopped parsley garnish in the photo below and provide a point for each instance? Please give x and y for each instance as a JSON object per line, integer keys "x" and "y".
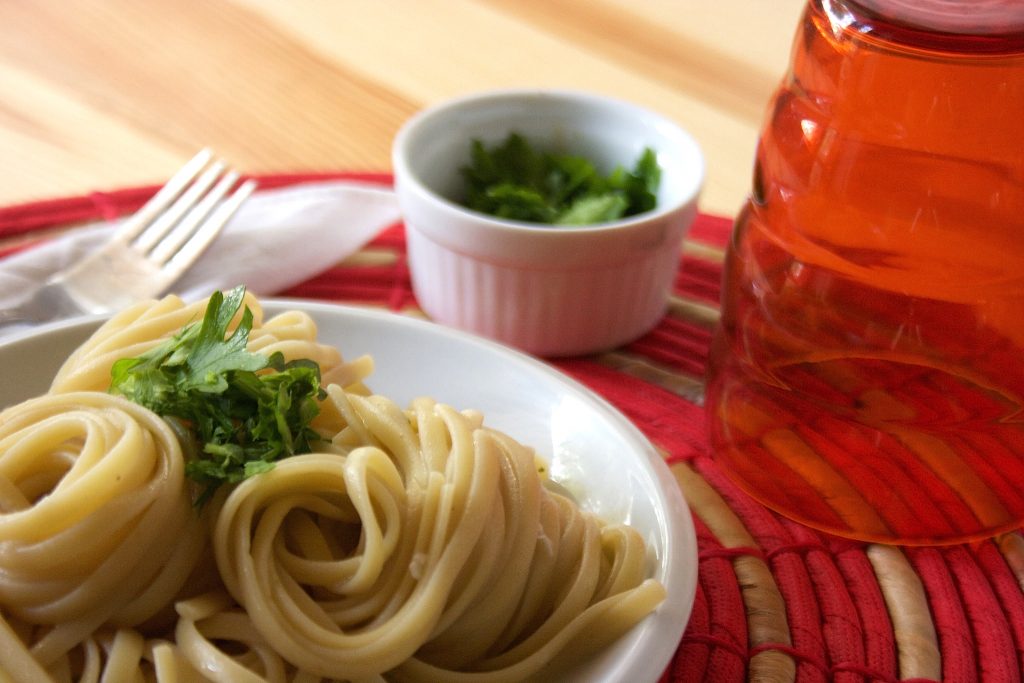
{"x": 513, "y": 180}
{"x": 244, "y": 410}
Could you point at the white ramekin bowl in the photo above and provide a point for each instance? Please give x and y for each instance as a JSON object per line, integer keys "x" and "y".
{"x": 550, "y": 291}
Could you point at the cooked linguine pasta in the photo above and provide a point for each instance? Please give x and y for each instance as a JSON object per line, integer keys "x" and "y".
{"x": 413, "y": 544}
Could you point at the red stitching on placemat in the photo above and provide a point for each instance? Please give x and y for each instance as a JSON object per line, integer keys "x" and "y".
{"x": 1007, "y": 589}
{"x": 690, "y": 661}
{"x": 841, "y": 623}
{"x": 700, "y": 279}
{"x": 874, "y": 674}
{"x": 861, "y": 583}
{"x": 792, "y": 652}
{"x": 724, "y": 617}
{"x": 804, "y": 609}
{"x": 959, "y": 649}
{"x": 991, "y": 629}
{"x": 677, "y": 344}
{"x": 801, "y": 548}
{"x": 838, "y": 667}
{"x": 715, "y": 641}
{"x": 106, "y": 206}
{"x": 713, "y": 230}
{"x": 730, "y": 553}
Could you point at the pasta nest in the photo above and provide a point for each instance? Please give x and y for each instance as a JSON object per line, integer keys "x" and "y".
{"x": 96, "y": 520}
{"x": 425, "y": 545}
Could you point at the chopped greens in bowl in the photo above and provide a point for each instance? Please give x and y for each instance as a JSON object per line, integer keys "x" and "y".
{"x": 517, "y": 181}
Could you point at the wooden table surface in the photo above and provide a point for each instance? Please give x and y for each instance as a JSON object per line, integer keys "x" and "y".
{"x": 100, "y": 94}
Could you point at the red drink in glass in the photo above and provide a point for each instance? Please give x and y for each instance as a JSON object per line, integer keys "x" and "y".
{"x": 867, "y": 378}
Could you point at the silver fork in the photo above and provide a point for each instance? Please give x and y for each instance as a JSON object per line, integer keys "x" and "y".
{"x": 148, "y": 253}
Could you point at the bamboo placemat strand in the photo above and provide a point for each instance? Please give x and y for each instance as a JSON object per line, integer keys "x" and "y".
{"x": 775, "y": 601}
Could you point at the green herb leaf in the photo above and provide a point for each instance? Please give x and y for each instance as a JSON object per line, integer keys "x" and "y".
{"x": 594, "y": 209}
{"x": 513, "y": 180}
{"x": 244, "y": 410}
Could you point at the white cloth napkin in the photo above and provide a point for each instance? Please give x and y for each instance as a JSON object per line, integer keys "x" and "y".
{"x": 278, "y": 238}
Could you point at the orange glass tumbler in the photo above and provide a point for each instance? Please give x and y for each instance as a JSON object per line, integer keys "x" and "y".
{"x": 867, "y": 377}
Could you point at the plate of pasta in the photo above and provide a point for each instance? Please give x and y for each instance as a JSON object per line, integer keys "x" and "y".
{"x": 458, "y": 511}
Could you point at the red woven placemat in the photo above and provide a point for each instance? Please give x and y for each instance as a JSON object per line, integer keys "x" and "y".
{"x": 775, "y": 601}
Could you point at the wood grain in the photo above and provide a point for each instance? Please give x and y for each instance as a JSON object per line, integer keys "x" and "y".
{"x": 107, "y": 93}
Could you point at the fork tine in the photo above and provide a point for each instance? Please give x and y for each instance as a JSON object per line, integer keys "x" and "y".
{"x": 172, "y": 215}
{"x": 175, "y": 238}
{"x": 193, "y": 248}
{"x": 164, "y": 196}
{"x": 165, "y": 222}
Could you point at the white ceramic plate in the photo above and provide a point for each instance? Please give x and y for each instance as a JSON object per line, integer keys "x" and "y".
{"x": 592, "y": 448}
